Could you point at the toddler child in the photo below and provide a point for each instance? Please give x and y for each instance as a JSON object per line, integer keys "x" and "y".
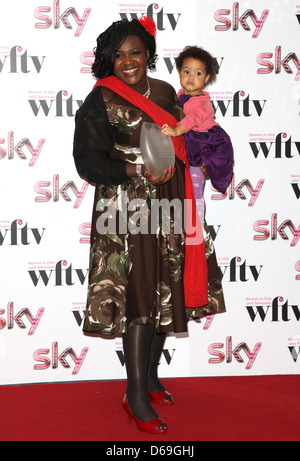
{"x": 208, "y": 145}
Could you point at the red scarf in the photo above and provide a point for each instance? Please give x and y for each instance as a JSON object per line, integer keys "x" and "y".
{"x": 195, "y": 268}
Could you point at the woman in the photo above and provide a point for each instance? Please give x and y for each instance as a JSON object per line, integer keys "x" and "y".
{"x": 136, "y": 278}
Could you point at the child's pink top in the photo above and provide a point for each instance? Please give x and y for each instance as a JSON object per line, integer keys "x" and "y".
{"x": 199, "y": 113}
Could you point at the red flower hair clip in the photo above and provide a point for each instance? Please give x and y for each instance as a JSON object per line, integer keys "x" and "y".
{"x": 149, "y": 25}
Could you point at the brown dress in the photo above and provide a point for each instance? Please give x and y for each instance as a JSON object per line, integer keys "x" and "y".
{"x": 136, "y": 267}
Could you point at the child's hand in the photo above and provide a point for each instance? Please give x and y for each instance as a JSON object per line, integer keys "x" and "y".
{"x": 166, "y": 129}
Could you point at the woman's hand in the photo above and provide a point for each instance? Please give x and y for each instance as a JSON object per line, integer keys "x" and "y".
{"x": 165, "y": 177}
{"x": 131, "y": 171}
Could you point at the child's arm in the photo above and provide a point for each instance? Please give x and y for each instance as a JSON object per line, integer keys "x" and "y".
{"x": 177, "y": 131}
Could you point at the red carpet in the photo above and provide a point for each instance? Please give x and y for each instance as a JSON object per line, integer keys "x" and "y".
{"x": 255, "y": 408}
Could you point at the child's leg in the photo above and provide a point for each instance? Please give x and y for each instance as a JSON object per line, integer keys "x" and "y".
{"x": 198, "y": 180}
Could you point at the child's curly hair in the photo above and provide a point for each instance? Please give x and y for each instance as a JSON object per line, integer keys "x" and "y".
{"x": 203, "y": 56}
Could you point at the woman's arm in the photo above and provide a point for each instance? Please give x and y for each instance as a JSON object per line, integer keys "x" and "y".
{"x": 93, "y": 140}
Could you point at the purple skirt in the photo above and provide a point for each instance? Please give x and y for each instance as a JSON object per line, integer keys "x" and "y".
{"x": 214, "y": 149}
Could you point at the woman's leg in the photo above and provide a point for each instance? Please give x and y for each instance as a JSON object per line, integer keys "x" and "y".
{"x": 158, "y": 394}
{"x": 136, "y": 345}
{"x": 157, "y": 344}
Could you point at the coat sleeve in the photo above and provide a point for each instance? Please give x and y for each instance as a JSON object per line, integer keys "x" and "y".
{"x": 93, "y": 140}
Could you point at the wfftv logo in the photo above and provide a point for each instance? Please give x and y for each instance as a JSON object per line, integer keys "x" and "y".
{"x": 60, "y": 275}
{"x": 87, "y": 58}
{"x": 296, "y": 190}
{"x": 54, "y": 359}
{"x": 168, "y": 355}
{"x": 58, "y": 18}
{"x": 12, "y": 319}
{"x": 16, "y": 235}
{"x": 277, "y": 311}
{"x": 296, "y": 185}
{"x": 231, "y": 353}
{"x": 294, "y": 347}
{"x": 12, "y": 148}
{"x": 278, "y": 62}
{"x": 171, "y": 64}
{"x": 79, "y": 315}
{"x": 45, "y": 195}
{"x": 240, "y": 20}
{"x": 163, "y": 20}
{"x": 239, "y": 106}
{"x": 85, "y": 231}
{"x": 23, "y": 63}
{"x": 62, "y": 107}
{"x": 239, "y": 271}
{"x": 281, "y": 147}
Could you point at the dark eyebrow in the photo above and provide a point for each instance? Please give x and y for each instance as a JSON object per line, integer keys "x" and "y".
{"x": 188, "y": 68}
{"x": 131, "y": 49}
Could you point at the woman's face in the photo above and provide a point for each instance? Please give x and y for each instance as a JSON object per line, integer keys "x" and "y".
{"x": 131, "y": 62}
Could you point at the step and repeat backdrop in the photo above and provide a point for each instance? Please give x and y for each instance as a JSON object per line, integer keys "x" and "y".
{"x": 46, "y": 52}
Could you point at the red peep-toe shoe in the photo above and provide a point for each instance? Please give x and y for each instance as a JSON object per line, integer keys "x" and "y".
{"x": 151, "y": 427}
{"x": 162, "y": 398}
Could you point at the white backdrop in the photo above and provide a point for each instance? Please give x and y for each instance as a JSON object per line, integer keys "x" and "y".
{"x": 45, "y": 57}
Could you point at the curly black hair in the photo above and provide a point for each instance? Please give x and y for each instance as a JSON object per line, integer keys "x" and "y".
{"x": 109, "y": 42}
{"x": 200, "y": 54}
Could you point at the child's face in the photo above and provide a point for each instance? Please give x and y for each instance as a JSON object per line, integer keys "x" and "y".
{"x": 193, "y": 76}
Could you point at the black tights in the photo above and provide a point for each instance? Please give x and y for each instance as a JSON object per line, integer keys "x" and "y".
{"x": 142, "y": 349}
